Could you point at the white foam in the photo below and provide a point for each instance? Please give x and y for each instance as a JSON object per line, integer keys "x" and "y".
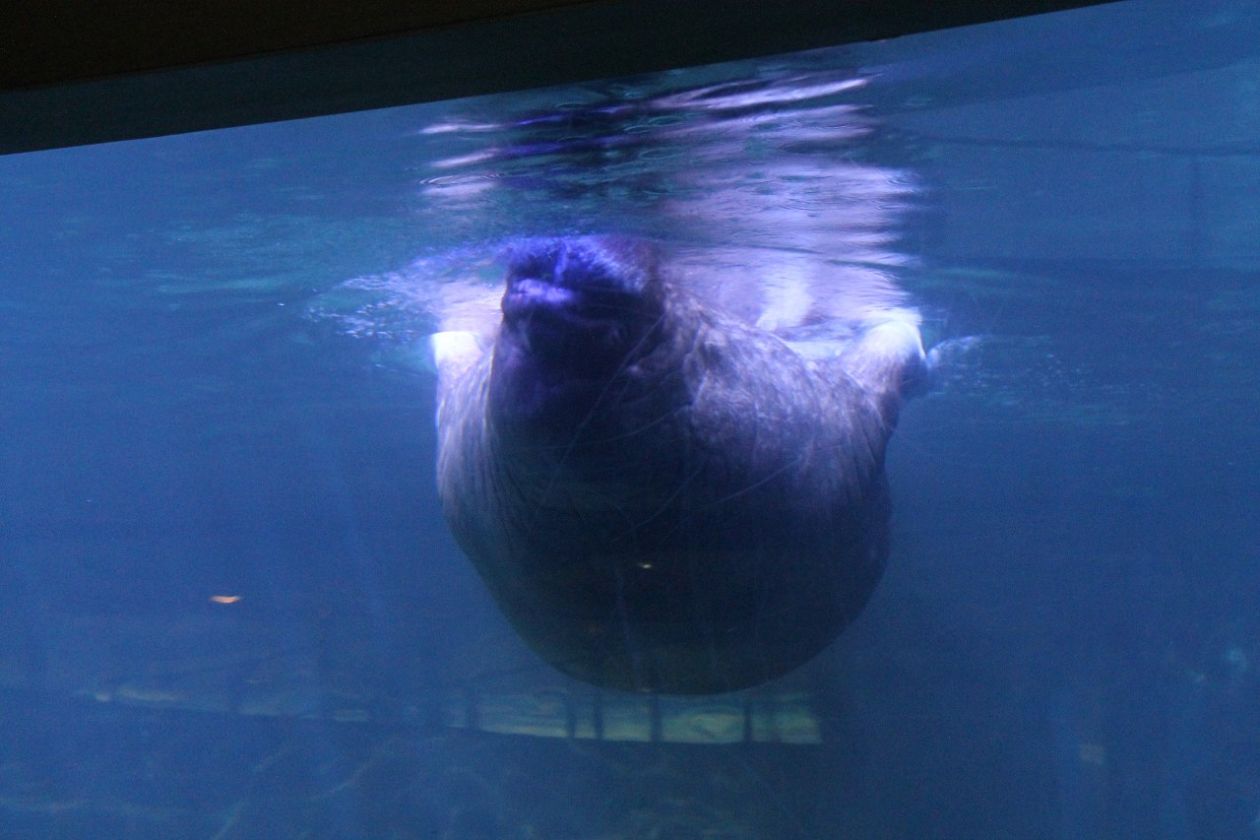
{"x": 454, "y": 350}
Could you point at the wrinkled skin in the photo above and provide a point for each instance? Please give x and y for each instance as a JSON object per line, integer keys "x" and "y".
{"x": 659, "y": 497}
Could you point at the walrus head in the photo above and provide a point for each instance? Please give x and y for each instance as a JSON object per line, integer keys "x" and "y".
{"x": 577, "y": 312}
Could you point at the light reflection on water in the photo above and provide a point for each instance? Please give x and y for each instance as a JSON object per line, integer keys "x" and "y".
{"x": 756, "y": 189}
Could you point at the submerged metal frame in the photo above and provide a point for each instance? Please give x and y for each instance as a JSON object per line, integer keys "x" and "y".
{"x": 90, "y": 71}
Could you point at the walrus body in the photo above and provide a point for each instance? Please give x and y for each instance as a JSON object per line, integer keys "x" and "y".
{"x": 658, "y": 496}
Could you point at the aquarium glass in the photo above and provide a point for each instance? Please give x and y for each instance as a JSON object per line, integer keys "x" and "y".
{"x": 233, "y": 608}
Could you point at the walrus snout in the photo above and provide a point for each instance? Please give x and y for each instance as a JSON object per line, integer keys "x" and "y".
{"x": 587, "y": 279}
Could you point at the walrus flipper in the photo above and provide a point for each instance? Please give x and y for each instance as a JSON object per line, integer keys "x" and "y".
{"x": 888, "y": 362}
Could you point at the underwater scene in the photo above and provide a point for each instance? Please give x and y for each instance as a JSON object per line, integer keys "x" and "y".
{"x": 856, "y": 443}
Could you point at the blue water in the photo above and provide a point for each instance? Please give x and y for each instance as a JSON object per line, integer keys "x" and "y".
{"x": 213, "y": 386}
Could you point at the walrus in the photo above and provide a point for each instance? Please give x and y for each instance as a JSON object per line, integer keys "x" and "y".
{"x": 659, "y": 496}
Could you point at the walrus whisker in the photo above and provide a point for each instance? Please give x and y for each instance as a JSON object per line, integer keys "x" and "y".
{"x": 592, "y": 411}
{"x": 664, "y": 505}
{"x": 636, "y": 431}
{"x": 764, "y": 480}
